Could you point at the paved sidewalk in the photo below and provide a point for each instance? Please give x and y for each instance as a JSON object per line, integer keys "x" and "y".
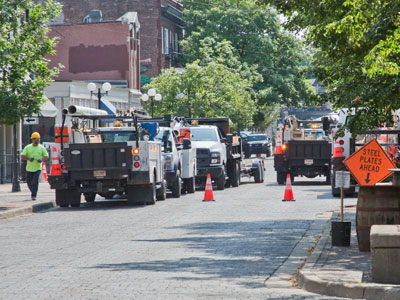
{"x": 343, "y": 271}
{"x": 20, "y": 203}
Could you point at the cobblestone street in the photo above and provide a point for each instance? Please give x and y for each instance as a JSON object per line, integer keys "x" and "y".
{"x": 177, "y": 249}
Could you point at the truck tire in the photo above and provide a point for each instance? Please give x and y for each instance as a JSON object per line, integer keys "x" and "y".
{"x": 148, "y": 194}
{"x": 259, "y": 174}
{"x": 90, "y": 197}
{"x": 162, "y": 191}
{"x": 62, "y": 198}
{"x": 177, "y": 186}
{"x": 328, "y": 177}
{"x": 235, "y": 175}
{"x": 221, "y": 182}
{"x": 280, "y": 177}
{"x": 190, "y": 184}
{"x": 75, "y": 198}
{"x": 335, "y": 191}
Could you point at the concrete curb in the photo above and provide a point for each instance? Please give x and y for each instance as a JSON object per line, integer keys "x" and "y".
{"x": 27, "y": 210}
{"x": 309, "y": 280}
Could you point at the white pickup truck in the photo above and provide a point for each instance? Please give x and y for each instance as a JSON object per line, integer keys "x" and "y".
{"x": 179, "y": 162}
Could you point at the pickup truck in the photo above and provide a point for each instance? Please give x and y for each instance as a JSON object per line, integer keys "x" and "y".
{"x": 179, "y": 162}
{"x": 107, "y": 161}
{"x": 219, "y": 153}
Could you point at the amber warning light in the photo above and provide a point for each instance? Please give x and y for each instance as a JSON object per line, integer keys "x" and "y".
{"x": 136, "y": 151}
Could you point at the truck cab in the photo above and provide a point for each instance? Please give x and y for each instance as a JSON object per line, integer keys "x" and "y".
{"x": 172, "y": 159}
{"x": 211, "y": 153}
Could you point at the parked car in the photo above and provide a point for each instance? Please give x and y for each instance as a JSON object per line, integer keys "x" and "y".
{"x": 256, "y": 143}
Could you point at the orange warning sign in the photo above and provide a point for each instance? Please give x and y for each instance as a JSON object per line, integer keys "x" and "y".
{"x": 369, "y": 164}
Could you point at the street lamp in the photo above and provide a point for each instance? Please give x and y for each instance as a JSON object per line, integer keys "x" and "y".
{"x": 106, "y": 88}
{"x": 152, "y": 94}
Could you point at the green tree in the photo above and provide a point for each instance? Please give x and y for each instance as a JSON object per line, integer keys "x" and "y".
{"x": 209, "y": 87}
{"x": 258, "y": 40}
{"x": 24, "y": 46}
{"x": 357, "y": 53}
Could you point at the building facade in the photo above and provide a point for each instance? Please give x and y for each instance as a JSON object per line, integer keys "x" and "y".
{"x": 161, "y": 27}
{"x": 104, "y": 51}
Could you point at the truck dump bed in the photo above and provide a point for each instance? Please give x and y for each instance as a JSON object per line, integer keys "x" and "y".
{"x": 98, "y": 160}
{"x": 315, "y": 153}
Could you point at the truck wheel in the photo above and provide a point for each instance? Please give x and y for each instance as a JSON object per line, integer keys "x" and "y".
{"x": 75, "y": 197}
{"x": 221, "y": 182}
{"x": 177, "y": 186}
{"x": 62, "y": 199}
{"x": 191, "y": 185}
{"x": 335, "y": 191}
{"x": 328, "y": 178}
{"x": 162, "y": 191}
{"x": 258, "y": 176}
{"x": 280, "y": 177}
{"x": 90, "y": 197}
{"x": 235, "y": 175}
{"x": 148, "y": 194}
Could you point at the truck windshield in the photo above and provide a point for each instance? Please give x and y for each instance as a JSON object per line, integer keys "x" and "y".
{"x": 204, "y": 134}
{"x": 313, "y": 135}
{"x": 252, "y": 138}
{"x": 117, "y": 136}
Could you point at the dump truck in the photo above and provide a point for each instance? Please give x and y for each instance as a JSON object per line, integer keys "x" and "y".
{"x": 303, "y": 152}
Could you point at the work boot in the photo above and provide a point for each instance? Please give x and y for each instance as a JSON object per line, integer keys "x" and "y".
{"x": 33, "y": 198}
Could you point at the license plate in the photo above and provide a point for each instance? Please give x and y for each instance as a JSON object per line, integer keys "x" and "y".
{"x": 99, "y": 173}
{"x": 308, "y": 162}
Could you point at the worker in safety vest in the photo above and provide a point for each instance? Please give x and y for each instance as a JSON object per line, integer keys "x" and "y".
{"x": 34, "y": 154}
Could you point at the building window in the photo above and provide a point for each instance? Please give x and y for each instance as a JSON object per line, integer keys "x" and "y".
{"x": 176, "y": 42}
{"x": 166, "y": 40}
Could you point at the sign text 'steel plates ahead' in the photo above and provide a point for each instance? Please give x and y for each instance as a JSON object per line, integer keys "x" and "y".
{"x": 369, "y": 164}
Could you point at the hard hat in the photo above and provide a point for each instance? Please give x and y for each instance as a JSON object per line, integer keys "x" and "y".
{"x": 35, "y": 135}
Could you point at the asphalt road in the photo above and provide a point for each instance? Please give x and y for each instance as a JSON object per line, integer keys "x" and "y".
{"x": 177, "y": 249}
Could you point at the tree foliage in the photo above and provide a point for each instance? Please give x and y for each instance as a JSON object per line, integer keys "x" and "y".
{"x": 23, "y": 47}
{"x": 357, "y": 53}
{"x": 215, "y": 85}
{"x": 258, "y": 40}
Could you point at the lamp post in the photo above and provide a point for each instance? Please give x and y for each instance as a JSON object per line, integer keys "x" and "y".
{"x": 106, "y": 88}
{"x": 16, "y": 187}
{"x": 152, "y": 94}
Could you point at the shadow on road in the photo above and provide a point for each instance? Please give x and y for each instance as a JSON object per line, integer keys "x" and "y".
{"x": 248, "y": 252}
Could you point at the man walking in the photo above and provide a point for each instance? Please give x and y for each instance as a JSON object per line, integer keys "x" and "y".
{"x": 34, "y": 154}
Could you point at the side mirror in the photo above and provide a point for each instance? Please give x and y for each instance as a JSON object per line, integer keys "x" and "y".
{"x": 187, "y": 144}
{"x": 179, "y": 146}
{"x": 168, "y": 146}
{"x": 223, "y": 140}
{"x": 325, "y": 123}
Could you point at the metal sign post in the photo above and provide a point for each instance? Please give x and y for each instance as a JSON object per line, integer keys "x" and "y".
{"x": 342, "y": 181}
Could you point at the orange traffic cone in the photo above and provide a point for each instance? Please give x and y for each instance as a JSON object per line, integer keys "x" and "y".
{"x": 55, "y": 164}
{"x": 208, "y": 193}
{"x": 278, "y": 147}
{"x": 337, "y": 150}
{"x": 288, "y": 190}
{"x": 44, "y": 171}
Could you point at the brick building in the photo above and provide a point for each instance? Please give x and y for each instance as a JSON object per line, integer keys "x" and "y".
{"x": 161, "y": 28}
{"x": 105, "y": 51}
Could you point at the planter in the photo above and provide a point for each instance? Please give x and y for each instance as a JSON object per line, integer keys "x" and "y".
{"x": 341, "y": 233}
{"x": 376, "y": 205}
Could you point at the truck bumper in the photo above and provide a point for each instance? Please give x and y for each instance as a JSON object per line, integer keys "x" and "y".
{"x": 215, "y": 172}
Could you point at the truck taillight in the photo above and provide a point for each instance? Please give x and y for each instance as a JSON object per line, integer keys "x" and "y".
{"x": 341, "y": 142}
{"x": 136, "y": 164}
{"x": 63, "y": 167}
{"x": 284, "y": 147}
